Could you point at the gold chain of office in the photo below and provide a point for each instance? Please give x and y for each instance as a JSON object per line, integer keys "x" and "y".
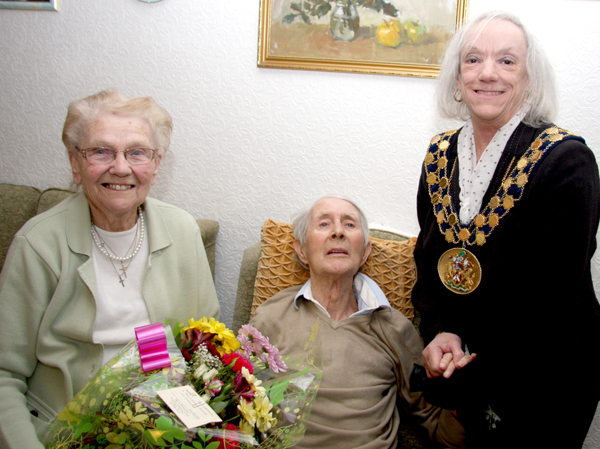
{"x": 509, "y": 192}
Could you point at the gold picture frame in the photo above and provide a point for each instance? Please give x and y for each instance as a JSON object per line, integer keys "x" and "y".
{"x": 299, "y": 34}
{"x": 40, "y": 5}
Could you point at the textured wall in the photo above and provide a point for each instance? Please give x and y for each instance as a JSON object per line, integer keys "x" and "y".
{"x": 249, "y": 143}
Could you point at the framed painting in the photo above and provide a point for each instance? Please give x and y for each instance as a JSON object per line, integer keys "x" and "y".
{"x": 389, "y": 37}
{"x": 42, "y": 5}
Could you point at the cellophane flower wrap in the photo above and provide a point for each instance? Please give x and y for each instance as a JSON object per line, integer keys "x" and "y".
{"x": 262, "y": 400}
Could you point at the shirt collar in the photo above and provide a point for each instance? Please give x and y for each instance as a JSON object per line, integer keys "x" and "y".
{"x": 368, "y": 294}
{"x": 475, "y": 176}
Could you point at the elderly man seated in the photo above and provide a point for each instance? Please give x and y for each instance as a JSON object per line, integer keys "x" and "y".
{"x": 368, "y": 348}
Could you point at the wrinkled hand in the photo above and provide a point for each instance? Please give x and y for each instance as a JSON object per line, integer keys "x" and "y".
{"x": 444, "y": 355}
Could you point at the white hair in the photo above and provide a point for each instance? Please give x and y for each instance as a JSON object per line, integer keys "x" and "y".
{"x": 541, "y": 94}
{"x": 302, "y": 219}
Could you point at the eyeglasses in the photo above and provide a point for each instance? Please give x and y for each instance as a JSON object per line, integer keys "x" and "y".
{"x": 104, "y": 156}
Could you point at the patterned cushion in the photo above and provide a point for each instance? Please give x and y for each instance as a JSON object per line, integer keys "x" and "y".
{"x": 390, "y": 264}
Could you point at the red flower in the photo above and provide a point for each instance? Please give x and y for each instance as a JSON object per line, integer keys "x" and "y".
{"x": 230, "y": 439}
{"x": 191, "y": 341}
{"x": 242, "y": 388}
{"x": 240, "y": 362}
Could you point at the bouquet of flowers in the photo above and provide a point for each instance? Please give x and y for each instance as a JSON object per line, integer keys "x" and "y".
{"x": 253, "y": 398}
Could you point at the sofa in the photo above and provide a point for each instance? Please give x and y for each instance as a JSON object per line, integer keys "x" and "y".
{"x": 267, "y": 266}
{"x": 18, "y": 203}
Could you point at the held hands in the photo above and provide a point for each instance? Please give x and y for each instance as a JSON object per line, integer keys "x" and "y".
{"x": 444, "y": 355}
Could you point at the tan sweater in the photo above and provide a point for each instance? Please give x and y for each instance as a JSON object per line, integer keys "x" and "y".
{"x": 367, "y": 361}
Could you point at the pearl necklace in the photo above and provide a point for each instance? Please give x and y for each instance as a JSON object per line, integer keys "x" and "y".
{"x": 102, "y": 245}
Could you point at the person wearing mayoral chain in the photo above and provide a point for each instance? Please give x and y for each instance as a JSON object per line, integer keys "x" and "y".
{"x": 511, "y": 333}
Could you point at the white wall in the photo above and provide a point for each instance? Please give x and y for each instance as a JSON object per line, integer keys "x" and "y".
{"x": 249, "y": 143}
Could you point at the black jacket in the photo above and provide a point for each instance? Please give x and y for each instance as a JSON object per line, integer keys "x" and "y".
{"x": 534, "y": 321}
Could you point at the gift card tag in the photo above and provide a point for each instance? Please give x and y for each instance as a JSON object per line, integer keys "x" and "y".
{"x": 189, "y": 407}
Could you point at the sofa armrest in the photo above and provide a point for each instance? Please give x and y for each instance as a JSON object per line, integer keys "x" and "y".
{"x": 209, "y": 230}
{"x": 245, "y": 290}
{"x": 17, "y": 205}
{"x": 51, "y": 197}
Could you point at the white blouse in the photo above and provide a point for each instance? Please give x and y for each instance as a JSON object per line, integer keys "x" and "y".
{"x": 119, "y": 308}
{"x": 475, "y": 176}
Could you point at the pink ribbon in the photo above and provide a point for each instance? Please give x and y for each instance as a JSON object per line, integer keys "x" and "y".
{"x": 152, "y": 345}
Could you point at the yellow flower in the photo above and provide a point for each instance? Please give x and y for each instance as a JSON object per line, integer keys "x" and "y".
{"x": 260, "y": 392}
{"x": 248, "y": 412}
{"x": 250, "y": 378}
{"x": 201, "y": 325}
{"x": 264, "y": 419}
{"x": 156, "y": 434}
{"x": 246, "y": 427}
{"x": 224, "y": 339}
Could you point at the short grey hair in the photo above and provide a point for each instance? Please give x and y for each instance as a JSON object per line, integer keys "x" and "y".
{"x": 302, "y": 219}
{"x": 542, "y": 92}
{"x": 81, "y": 112}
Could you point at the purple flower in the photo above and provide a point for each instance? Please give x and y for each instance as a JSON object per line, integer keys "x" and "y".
{"x": 275, "y": 362}
{"x": 255, "y": 344}
{"x": 252, "y": 341}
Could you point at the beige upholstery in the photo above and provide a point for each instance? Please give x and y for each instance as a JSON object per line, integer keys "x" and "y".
{"x": 209, "y": 230}
{"x": 245, "y": 290}
{"x": 19, "y": 203}
{"x": 51, "y": 197}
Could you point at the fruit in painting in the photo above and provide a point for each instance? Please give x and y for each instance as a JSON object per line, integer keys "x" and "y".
{"x": 390, "y": 33}
{"x": 414, "y": 30}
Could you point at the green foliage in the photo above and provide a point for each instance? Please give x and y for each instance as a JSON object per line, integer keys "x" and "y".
{"x": 306, "y": 9}
{"x": 277, "y": 391}
{"x": 379, "y": 5}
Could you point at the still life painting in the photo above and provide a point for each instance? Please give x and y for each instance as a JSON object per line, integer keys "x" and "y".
{"x": 40, "y": 5}
{"x": 392, "y": 37}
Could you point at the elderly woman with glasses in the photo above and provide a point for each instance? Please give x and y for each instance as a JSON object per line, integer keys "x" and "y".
{"x": 80, "y": 277}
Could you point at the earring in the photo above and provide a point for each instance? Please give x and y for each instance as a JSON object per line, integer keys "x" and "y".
{"x": 458, "y": 100}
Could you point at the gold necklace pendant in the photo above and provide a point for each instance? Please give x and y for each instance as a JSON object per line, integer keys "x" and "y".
{"x": 459, "y": 271}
